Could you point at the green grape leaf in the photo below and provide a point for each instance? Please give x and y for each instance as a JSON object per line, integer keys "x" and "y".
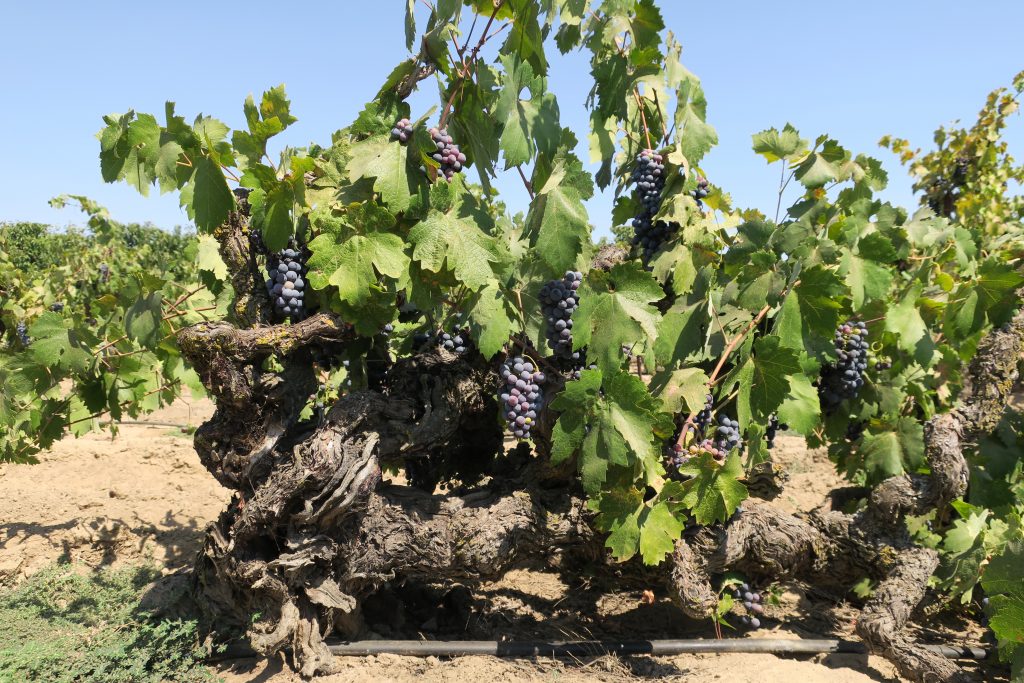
{"x": 904, "y": 319}
{"x": 209, "y": 258}
{"x": 355, "y": 265}
{"x": 694, "y": 136}
{"x": 557, "y": 226}
{"x": 529, "y": 126}
{"x": 714, "y": 491}
{"x": 1005, "y": 573}
{"x": 619, "y": 514}
{"x": 774, "y": 146}
{"x": 767, "y": 384}
{"x": 55, "y": 343}
{"x": 447, "y": 240}
{"x": 679, "y": 390}
{"x": 866, "y": 279}
{"x": 206, "y": 196}
{"x": 385, "y": 161}
{"x": 801, "y": 409}
{"x": 492, "y": 319}
{"x": 659, "y": 531}
{"x": 615, "y": 310}
{"x": 142, "y": 320}
{"x": 891, "y": 450}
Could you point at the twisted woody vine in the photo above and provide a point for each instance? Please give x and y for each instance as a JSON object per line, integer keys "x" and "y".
{"x": 368, "y": 305}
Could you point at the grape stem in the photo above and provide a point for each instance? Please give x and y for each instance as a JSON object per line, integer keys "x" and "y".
{"x": 643, "y": 116}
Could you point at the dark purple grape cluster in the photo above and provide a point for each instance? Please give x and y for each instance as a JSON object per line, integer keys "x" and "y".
{"x": 57, "y": 307}
{"x": 703, "y": 188}
{"x": 844, "y": 378}
{"x": 104, "y": 272}
{"x": 456, "y": 341}
{"x": 702, "y": 420}
{"x": 558, "y": 301}
{"x": 285, "y": 284}
{"x": 402, "y": 132}
{"x": 21, "y": 330}
{"x": 447, "y": 154}
{"x": 855, "y": 430}
{"x": 649, "y": 177}
{"x": 883, "y": 364}
{"x": 649, "y": 234}
{"x": 752, "y": 603}
{"x": 578, "y": 370}
{"x": 521, "y": 395}
{"x": 387, "y": 330}
{"x": 773, "y": 428}
{"x": 727, "y": 434}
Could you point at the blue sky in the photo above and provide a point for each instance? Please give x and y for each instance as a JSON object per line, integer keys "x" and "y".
{"x": 856, "y": 70}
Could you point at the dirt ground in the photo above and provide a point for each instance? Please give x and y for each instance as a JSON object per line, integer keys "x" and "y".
{"x": 143, "y": 494}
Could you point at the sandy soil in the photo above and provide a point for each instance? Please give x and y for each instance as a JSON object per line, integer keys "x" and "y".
{"x": 143, "y": 494}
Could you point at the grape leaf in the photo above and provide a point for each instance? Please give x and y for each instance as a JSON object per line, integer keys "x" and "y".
{"x": 529, "y": 126}
{"x": 557, "y": 226}
{"x": 354, "y": 265}
{"x": 492, "y": 319}
{"x": 385, "y": 161}
{"x": 615, "y": 310}
{"x": 55, "y": 343}
{"x": 714, "y": 491}
{"x": 447, "y": 240}
{"x": 680, "y": 389}
{"x": 773, "y": 145}
{"x": 767, "y": 384}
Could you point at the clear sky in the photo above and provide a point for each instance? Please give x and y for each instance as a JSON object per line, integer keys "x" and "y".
{"x": 856, "y": 70}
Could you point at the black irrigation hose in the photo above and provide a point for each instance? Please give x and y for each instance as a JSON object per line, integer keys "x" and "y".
{"x": 592, "y": 648}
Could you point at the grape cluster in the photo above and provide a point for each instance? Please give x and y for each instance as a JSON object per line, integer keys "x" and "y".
{"x": 751, "y": 600}
{"x": 843, "y": 379}
{"x": 402, "y": 132}
{"x": 703, "y": 418}
{"x": 22, "y": 331}
{"x": 855, "y": 430}
{"x": 703, "y": 188}
{"x": 558, "y": 301}
{"x": 649, "y": 234}
{"x": 104, "y": 272}
{"x": 727, "y": 434}
{"x": 285, "y": 284}
{"x": 649, "y": 176}
{"x": 57, "y": 307}
{"x": 456, "y": 341}
{"x": 447, "y": 154}
{"x": 883, "y": 364}
{"x": 521, "y": 395}
{"x": 388, "y": 329}
{"x": 773, "y": 427}
{"x": 681, "y": 456}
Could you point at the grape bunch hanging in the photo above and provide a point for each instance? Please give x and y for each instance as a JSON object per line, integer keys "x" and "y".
{"x": 752, "y": 603}
{"x": 649, "y": 178}
{"x": 774, "y": 426}
{"x": 844, "y": 378}
{"x": 402, "y": 132}
{"x": 447, "y": 154}
{"x": 457, "y": 340}
{"x": 520, "y": 395}
{"x": 285, "y": 284}
{"x": 681, "y": 456}
{"x": 21, "y": 330}
{"x": 727, "y": 434}
{"x": 558, "y": 300}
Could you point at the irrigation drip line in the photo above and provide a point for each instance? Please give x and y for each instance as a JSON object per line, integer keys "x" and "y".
{"x": 457, "y": 648}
